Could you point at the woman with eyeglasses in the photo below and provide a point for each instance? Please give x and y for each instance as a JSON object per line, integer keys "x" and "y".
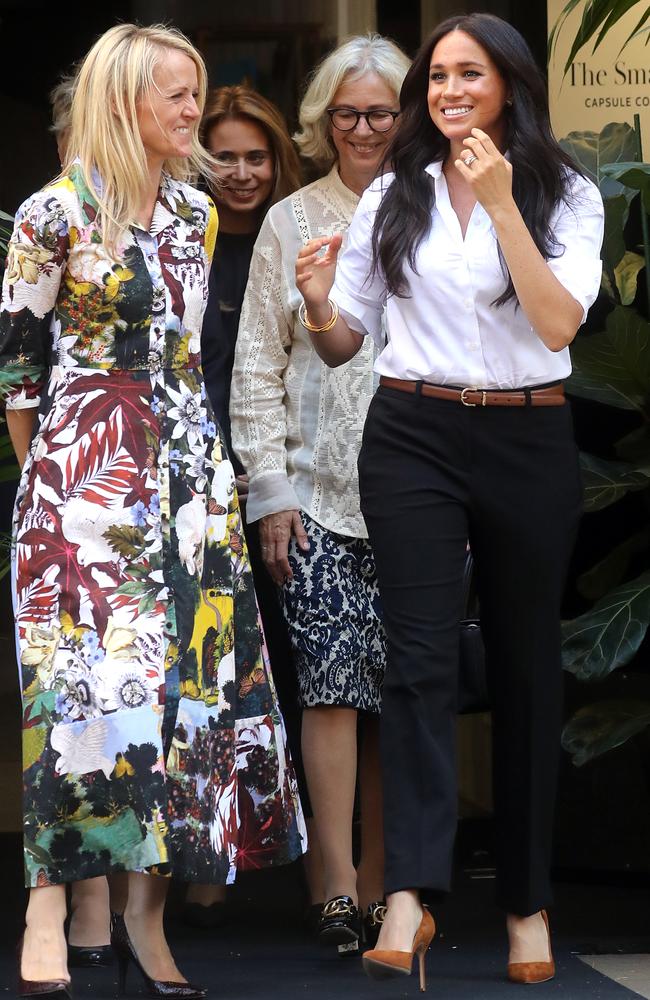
{"x": 255, "y": 165}
{"x": 297, "y": 430}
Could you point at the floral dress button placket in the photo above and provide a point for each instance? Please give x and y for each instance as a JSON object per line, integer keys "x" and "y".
{"x": 157, "y": 336}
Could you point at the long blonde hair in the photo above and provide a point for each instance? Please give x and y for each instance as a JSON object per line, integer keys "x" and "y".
{"x": 245, "y": 103}
{"x": 116, "y": 74}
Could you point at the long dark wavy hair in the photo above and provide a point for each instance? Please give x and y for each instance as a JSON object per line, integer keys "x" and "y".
{"x": 539, "y": 165}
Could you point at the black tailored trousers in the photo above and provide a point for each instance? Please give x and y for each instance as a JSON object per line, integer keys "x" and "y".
{"x": 434, "y": 474}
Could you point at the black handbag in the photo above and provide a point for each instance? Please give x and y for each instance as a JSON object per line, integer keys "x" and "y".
{"x": 472, "y": 677}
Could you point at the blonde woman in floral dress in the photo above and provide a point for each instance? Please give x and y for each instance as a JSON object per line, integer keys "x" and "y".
{"x": 151, "y": 730}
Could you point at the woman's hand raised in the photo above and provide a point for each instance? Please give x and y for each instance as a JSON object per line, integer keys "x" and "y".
{"x": 315, "y": 275}
{"x": 487, "y": 172}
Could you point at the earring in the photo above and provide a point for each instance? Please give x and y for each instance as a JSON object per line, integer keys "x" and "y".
{"x": 509, "y": 102}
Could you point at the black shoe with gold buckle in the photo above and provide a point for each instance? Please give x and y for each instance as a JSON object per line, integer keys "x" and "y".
{"x": 372, "y": 922}
{"x": 340, "y": 922}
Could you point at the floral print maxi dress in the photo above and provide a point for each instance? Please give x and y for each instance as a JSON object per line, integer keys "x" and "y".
{"x": 152, "y": 738}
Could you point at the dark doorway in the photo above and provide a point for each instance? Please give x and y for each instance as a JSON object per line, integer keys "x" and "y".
{"x": 400, "y": 20}
{"x": 38, "y": 45}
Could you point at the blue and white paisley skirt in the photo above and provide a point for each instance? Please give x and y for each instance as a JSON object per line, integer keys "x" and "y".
{"x": 333, "y": 614}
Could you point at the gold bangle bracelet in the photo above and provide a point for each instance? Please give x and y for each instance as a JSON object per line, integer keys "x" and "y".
{"x": 308, "y": 325}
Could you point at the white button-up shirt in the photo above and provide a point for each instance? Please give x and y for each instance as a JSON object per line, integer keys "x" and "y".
{"x": 447, "y": 332}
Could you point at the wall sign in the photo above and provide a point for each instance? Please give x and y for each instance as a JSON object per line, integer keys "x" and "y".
{"x": 609, "y": 85}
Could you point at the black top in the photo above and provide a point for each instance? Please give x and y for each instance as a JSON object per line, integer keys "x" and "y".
{"x": 227, "y": 284}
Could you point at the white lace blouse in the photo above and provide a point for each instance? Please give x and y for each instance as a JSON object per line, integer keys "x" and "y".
{"x": 297, "y": 424}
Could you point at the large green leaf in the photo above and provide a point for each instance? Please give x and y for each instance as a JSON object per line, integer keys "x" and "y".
{"x": 626, "y": 273}
{"x": 607, "y": 636}
{"x": 640, "y": 30}
{"x": 559, "y": 24}
{"x": 613, "y": 366}
{"x": 613, "y": 251}
{"x": 632, "y": 175}
{"x": 594, "y": 151}
{"x": 605, "y": 482}
{"x": 5, "y": 232}
{"x": 598, "y": 17}
{"x": 636, "y": 30}
{"x": 595, "y": 729}
{"x": 609, "y": 571}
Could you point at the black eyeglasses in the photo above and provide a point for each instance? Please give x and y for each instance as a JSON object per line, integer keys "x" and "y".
{"x": 346, "y": 119}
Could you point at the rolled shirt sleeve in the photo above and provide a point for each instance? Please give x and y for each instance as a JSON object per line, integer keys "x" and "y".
{"x": 36, "y": 259}
{"x": 578, "y": 227}
{"x": 360, "y": 292}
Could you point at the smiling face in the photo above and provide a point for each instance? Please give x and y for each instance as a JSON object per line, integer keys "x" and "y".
{"x": 361, "y": 150}
{"x": 466, "y": 91}
{"x": 168, "y": 117}
{"x": 245, "y": 165}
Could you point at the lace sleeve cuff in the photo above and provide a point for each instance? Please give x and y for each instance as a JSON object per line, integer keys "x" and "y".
{"x": 268, "y": 494}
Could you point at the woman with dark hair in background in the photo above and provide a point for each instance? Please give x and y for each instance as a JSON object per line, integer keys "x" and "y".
{"x": 255, "y": 165}
{"x": 483, "y": 247}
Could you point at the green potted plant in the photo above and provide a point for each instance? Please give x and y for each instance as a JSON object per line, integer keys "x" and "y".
{"x": 612, "y": 369}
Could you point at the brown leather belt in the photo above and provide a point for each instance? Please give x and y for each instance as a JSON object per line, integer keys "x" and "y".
{"x": 551, "y": 395}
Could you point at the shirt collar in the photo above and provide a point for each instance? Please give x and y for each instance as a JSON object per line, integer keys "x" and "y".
{"x": 434, "y": 169}
{"x": 348, "y": 198}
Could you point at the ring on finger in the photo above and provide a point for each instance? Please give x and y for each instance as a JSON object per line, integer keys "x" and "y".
{"x": 468, "y": 160}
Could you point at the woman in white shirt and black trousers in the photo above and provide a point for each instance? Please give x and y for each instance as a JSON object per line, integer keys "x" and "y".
{"x": 482, "y": 244}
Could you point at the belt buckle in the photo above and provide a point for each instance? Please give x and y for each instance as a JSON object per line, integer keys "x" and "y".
{"x": 473, "y": 388}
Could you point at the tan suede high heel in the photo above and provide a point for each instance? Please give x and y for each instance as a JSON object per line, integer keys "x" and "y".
{"x": 379, "y": 964}
{"x": 533, "y": 972}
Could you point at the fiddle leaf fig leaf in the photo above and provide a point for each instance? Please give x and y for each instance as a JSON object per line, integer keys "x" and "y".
{"x": 632, "y": 175}
{"x": 597, "y": 728}
{"x": 593, "y": 151}
{"x": 626, "y": 273}
{"x": 596, "y": 152}
{"x": 616, "y": 212}
{"x": 605, "y": 482}
{"x": 613, "y": 366}
{"x": 609, "y": 634}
